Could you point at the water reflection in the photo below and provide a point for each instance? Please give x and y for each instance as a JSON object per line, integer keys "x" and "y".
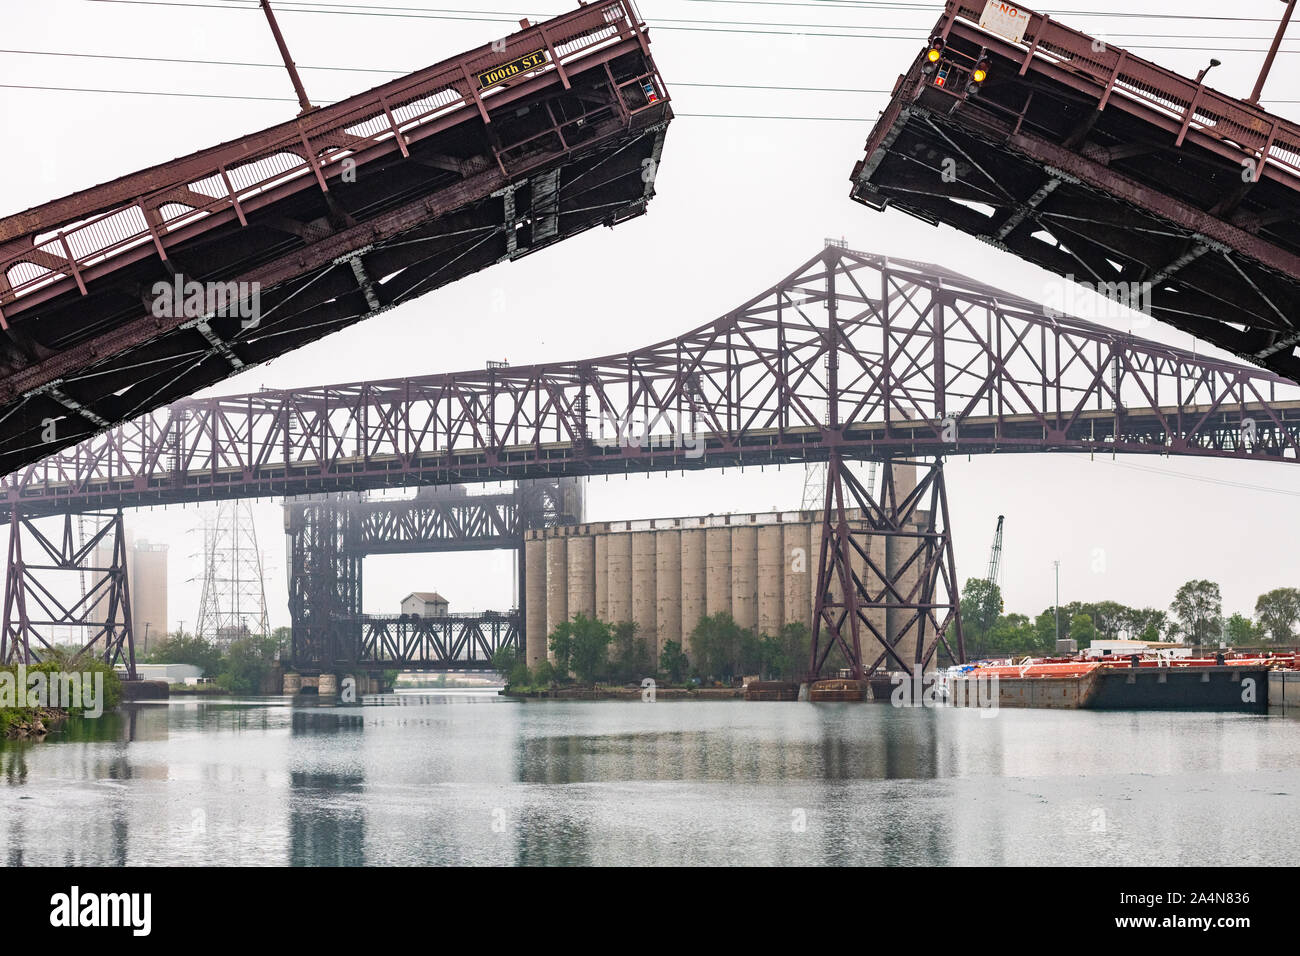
{"x": 463, "y": 777}
{"x": 327, "y": 824}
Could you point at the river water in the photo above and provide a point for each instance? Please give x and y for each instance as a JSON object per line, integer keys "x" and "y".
{"x": 465, "y": 777}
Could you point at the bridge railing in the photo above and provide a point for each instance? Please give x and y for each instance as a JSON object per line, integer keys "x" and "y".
{"x": 1253, "y": 131}
{"x": 61, "y": 240}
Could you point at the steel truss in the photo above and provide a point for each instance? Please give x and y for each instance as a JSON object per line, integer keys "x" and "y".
{"x": 914, "y": 581}
{"x": 855, "y": 352}
{"x": 330, "y": 538}
{"x": 1105, "y": 168}
{"x": 457, "y": 642}
{"x": 32, "y": 608}
{"x": 319, "y": 222}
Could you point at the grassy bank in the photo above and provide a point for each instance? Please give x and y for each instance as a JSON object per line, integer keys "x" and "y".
{"x": 36, "y": 722}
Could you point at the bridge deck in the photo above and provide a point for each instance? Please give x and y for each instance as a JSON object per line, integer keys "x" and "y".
{"x": 1105, "y": 168}
{"x": 346, "y": 211}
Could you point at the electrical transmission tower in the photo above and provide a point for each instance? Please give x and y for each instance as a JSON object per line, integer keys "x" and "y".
{"x": 233, "y": 602}
{"x": 814, "y": 484}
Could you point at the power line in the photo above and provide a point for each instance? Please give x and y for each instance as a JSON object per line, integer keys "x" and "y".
{"x": 868, "y": 4}
{"x": 700, "y": 26}
{"x": 290, "y": 99}
{"x": 1224, "y": 482}
{"x": 360, "y": 69}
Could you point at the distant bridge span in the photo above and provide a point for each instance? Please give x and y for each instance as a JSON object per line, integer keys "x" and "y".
{"x": 920, "y": 361}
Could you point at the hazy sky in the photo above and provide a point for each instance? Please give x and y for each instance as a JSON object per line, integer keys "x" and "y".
{"x": 741, "y": 203}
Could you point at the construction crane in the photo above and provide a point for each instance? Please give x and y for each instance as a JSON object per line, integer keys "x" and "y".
{"x": 995, "y": 555}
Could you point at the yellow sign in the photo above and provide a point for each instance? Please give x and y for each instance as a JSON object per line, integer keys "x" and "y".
{"x": 505, "y": 71}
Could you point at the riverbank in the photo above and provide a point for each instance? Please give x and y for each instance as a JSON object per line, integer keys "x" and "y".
{"x": 626, "y": 693}
{"x": 30, "y": 722}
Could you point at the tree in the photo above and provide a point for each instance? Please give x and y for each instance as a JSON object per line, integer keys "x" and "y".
{"x": 561, "y": 645}
{"x": 673, "y": 662}
{"x": 1198, "y": 608}
{"x": 1013, "y": 635}
{"x": 542, "y": 675}
{"x": 283, "y": 637}
{"x": 187, "y": 649}
{"x": 248, "y": 661}
{"x": 717, "y": 640}
{"x": 1143, "y": 624}
{"x": 1277, "y": 612}
{"x": 981, "y": 603}
{"x": 796, "y": 645}
{"x": 1108, "y": 617}
{"x": 630, "y": 656}
{"x": 588, "y": 648}
{"x": 1082, "y": 630}
{"x": 1241, "y": 631}
{"x": 504, "y": 659}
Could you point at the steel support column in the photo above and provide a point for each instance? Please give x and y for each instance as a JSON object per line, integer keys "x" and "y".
{"x": 33, "y": 606}
{"x": 915, "y": 585}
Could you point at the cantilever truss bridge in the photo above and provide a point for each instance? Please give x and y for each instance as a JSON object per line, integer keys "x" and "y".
{"x": 853, "y": 356}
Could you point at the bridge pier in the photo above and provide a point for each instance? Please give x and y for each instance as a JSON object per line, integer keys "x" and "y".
{"x": 32, "y": 607}
{"x": 915, "y": 583}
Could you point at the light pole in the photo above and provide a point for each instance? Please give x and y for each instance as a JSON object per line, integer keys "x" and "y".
{"x": 1272, "y": 52}
{"x": 1057, "y": 607}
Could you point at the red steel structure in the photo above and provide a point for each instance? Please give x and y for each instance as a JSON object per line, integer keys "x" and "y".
{"x": 1098, "y": 165}
{"x": 851, "y": 356}
{"x": 304, "y": 228}
{"x": 34, "y": 609}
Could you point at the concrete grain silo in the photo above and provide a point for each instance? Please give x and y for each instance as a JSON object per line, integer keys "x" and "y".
{"x": 717, "y": 543}
{"x": 644, "y": 593}
{"x": 557, "y": 588}
{"x": 744, "y": 574}
{"x": 694, "y": 570}
{"x": 619, "y": 577}
{"x": 668, "y": 589}
{"x": 771, "y": 579}
{"x": 535, "y": 598}
{"x": 800, "y": 571}
{"x": 601, "y": 573}
{"x": 581, "y": 573}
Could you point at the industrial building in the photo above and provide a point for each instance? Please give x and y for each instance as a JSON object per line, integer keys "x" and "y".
{"x": 664, "y": 574}
{"x": 425, "y": 604}
{"x": 146, "y": 577}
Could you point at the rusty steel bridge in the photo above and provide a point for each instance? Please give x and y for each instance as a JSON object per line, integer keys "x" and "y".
{"x": 851, "y": 356}
{"x": 1098, "y": 165}
{"x": 332, "y": 217}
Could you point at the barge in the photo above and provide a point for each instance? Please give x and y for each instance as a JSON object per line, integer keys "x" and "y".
{"x": 1236, "y": 683}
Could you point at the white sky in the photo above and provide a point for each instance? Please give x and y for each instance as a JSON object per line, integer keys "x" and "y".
{"x": 741, "y": 203}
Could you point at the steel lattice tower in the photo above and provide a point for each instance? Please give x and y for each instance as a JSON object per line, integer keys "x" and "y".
{"x": 233, "y": 602}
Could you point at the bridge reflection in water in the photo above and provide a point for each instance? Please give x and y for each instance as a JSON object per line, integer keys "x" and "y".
{"x": 461, "y": 777}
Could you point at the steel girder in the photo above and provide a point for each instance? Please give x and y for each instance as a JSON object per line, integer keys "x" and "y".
{"x": 331, "y": 218}
{"x": 853, "y": 352}
{"x": 330, "y": 538}
{"x": 1102, "y": 167}
{"x": 459, "y": 642}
